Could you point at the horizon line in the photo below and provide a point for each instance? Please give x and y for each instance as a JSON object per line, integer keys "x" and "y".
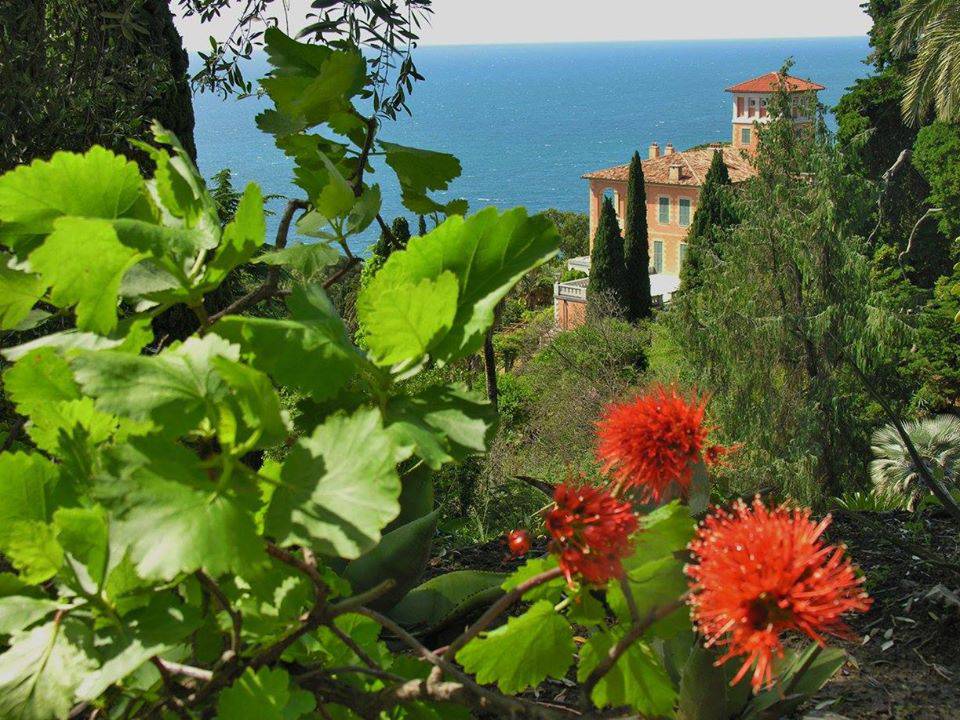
{"x": 524, "y": 43}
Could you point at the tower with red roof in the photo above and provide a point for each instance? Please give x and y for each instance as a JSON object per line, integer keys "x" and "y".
{"x": 752, "y": 98}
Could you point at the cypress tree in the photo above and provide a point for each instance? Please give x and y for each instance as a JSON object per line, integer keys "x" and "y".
{"x": 636, "y": 249}
{"x": 715, "y": 213}
{"x": 422, "y": 226}
{"x": 607, "y": 270}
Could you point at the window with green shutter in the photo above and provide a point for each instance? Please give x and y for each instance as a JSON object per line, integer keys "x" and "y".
{"x": 658, "y": 255}
{"x": 684, "y": 211}
{"x": 664, "y": 211}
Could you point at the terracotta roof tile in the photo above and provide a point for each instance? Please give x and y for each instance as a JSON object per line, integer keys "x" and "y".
{"x": 771, "y": 83}
{"x": 693, "y": 168}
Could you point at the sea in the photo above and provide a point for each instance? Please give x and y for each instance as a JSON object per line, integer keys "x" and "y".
{"x": 526, "y": 121}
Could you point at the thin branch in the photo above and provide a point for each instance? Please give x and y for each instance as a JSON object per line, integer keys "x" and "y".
{"x": 941, "y": 493}
{"x": 913, "y": 233}
{"x": 498, "y": 608}
{"x": 288, "y": 558}
{"x": 271, "y": 284}
{"x": 341, "y": 273}
{"x": 236, "y": 620}
{"x": 351, "y": 603}
{"x": 633, "y": 634}
{"x": 354, "y": 647}
{"x": 185, "y": 670}
{"x": 902, "y": 160}
{"x": 631, "y": 600}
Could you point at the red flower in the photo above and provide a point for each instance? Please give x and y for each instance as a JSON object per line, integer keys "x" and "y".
{"x": 758, "y": 572}
{"x": 591, "y": 532}
{"x": 654, "y": 440}
{"x": 518, "y": 542}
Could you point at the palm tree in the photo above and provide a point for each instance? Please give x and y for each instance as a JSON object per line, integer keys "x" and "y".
{"x": 930, "y": 31}
{"x": 893, "y": 472}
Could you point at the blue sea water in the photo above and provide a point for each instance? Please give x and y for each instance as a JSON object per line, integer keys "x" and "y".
{"x": 526, "y": 121}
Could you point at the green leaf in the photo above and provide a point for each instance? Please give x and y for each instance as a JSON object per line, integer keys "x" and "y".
{"x": 307, "y": 260}
{"x": 251, "y": 416}
{"x": 524, "y": 652}
{"x": 310, "y": 352}
{"x": 83, "y": 261}
{"x": 705, "y": 692}
{"x": 443, "y": 423}
{"x": 41, "y": 671}
{"x": 338, "y": 487}
{"x": 552, "y": 590}
{"x": 40, "y": 379}
{"x": 488, "y": 254}
{"x": 18, "y": 293}
{"x": 336, "y": 198}
{"x": 27, "y": 483}
{"x": 773, "y": 703}
{"x": 264, "y": 695}
{"x": 309, "y": 83}
{"x": 130, "y": 336}
{"x": 445, "y": 598}
{"x": 150, "y": 631}
{"x": 83, "y": 535}
{"x": 97, "y": 184}
{"x": 364, "y": 210}
{"x": 638, "y": 679}
{"x": 421, "y": 170}
{"x": 402, "y": 321}
{"x": 401, "y": 556}
{"x": 32, "y": 548}
{"x": 241, "y": 238}
{"x": 19, "y": 611}
{"x": 171, "y": 517}
{"x": 175, "y": 390}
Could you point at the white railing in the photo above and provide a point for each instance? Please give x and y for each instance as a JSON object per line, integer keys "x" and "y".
{"x": 571, "y": 290}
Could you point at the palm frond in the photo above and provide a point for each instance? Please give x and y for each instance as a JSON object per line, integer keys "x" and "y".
{"x": 931, "y": 29}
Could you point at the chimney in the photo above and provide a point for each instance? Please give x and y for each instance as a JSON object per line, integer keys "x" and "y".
{"x": 654, "y": 150}
{"x": 716, "y": 147}
{"x": 668, "y": 150}
{"x": 675, "y": 172}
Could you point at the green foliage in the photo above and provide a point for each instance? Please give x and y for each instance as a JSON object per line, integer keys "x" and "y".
{"x": 574, "y": 230}
{"x": 636, "y": 250}
{"x": 894, "y": 473}
{"x": 607, "y": 268}
{"x": 935, "y": 155}
{"x": 524, "y": 652}
{"x": 789, "y": 308}
{"x": 139, "y": 499}
{"x": 715, "y": 215}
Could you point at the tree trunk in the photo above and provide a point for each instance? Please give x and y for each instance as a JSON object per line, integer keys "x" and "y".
{"x": 490, "y": 368}
{"x": 174, "y": 108}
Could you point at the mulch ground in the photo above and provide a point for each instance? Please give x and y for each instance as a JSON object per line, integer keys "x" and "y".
{"x": 907, "y": 664}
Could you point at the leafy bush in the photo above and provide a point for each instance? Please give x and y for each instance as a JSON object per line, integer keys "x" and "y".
{"x": 574, "y": 229}
{"x": 162, "y": 566}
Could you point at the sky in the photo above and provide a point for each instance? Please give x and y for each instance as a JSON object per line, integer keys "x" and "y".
{"x": 466, "y": 22}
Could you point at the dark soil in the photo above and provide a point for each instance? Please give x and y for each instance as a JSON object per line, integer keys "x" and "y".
{"x": 907, "y": 665}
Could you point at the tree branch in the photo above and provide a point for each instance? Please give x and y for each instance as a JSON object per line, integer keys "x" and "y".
{"x": 271, "y": 284}
{"x": 617, "y": 651}
{"x": 236, "y": 620}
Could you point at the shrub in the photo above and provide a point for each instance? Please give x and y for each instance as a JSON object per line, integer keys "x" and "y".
{"x": 893, "y": 471}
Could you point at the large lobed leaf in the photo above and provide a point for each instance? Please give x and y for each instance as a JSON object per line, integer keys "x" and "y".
{"x": 488, "y": 254}
{"x": 522, "y": 653}
{"x": 338, "y": 488}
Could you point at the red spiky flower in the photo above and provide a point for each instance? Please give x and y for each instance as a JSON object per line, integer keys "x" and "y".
{"x": 591, "y": 532}
{"x": 760, "y": 572}
{"x": 518, "y": 542}
{"x": 654, "y": 440}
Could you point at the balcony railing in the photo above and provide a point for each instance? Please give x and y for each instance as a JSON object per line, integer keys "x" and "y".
{"x": 571, "y": 290}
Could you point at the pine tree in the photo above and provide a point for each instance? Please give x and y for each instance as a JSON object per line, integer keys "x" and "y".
{"x": 636, "y": 249}
{"x": 607, "y": 270}
{"x": 715, "y": 213}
